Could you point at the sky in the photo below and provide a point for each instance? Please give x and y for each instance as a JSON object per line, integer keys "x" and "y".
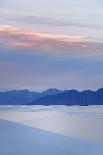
{"x": 51, "y": 44}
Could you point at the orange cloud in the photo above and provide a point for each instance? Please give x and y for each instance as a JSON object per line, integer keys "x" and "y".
{"x": 21, "y": 38}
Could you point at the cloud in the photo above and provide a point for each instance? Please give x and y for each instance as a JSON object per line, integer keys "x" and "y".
{"x": 25, "y": 19}
{"x": 22, "y": 38}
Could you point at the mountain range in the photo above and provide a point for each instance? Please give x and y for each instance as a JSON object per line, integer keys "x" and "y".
{"x": 52, "y": 97}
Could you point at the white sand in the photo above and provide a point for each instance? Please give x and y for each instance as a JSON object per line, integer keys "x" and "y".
{"x": 16, "y": 139}
{"x": 80, "y": 122}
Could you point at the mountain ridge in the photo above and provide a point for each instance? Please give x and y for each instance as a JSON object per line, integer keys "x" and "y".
{"x": 52, "y": 96}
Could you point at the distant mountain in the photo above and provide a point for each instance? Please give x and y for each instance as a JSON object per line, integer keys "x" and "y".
{"x": 18, "y": 97}
{"x": 73, "y": 97}
{"x": 52, "y": 97}
{"x": 51, "y": 91}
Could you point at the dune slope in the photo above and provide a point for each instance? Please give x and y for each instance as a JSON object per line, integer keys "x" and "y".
{"x": 23, "y": 140}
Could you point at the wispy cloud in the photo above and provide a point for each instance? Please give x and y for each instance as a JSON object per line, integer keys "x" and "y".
{"x": 51, "y": 21}
{"x": 22, "y": 38}
{"x": 56, "y": 22}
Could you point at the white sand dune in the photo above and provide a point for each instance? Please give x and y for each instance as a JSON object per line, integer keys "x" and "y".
{"x": 80, "y": 122}
{"x": 17, "y": 139}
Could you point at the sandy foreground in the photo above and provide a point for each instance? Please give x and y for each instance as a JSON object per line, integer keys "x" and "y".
{"x": 53, "y": 130}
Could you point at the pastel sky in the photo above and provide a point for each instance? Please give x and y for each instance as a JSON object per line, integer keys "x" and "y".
{"x": 46, "y": 44}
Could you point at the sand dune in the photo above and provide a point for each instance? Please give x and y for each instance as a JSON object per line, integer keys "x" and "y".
{"x": 80, "y": 122}
{"x": 23, "y": 140}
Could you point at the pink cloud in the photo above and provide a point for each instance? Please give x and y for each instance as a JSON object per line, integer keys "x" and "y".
{"x": 21, "y": 38}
